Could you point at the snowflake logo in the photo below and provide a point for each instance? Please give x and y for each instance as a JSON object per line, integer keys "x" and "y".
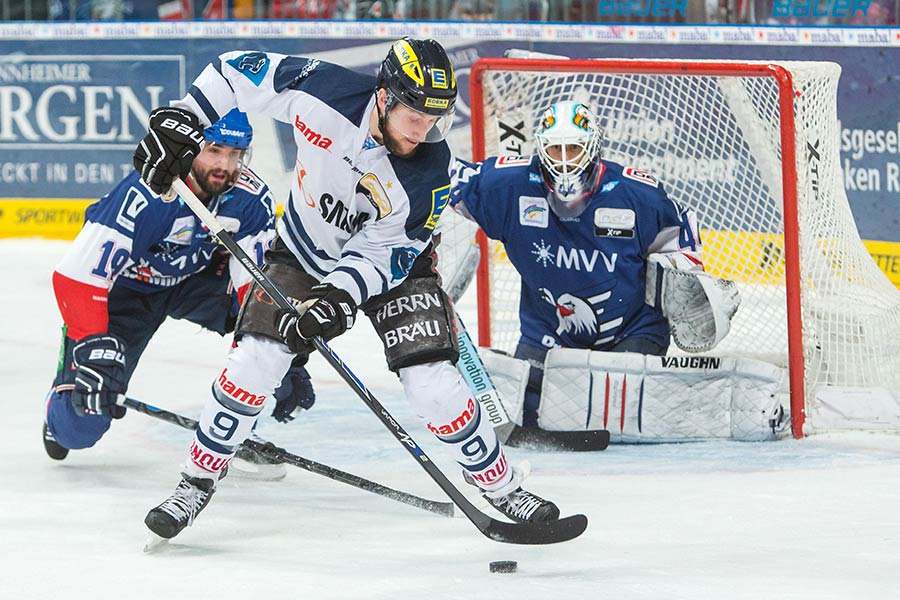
{"x": 542, "y": 252}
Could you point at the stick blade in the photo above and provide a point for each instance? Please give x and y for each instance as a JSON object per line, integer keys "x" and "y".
{"x": 569, "y": 441}
{"x": 544, "y": 532}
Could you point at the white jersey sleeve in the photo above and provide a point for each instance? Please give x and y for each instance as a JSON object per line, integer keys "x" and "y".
{"x": 356, "y": 216}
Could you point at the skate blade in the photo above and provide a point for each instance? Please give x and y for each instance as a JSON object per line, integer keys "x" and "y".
{"x": 154, "y": 543}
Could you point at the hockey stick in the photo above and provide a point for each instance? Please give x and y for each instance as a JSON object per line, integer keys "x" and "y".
{"x": 272, "y": 452}
{"x": 547, "y": 532}
{"x": 483, "y": 389}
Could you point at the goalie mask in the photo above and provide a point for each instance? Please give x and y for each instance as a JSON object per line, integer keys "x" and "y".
{"x": 568, "y": 141}
{"x": 419, "y": 75}
{"x": 225, "y": 154}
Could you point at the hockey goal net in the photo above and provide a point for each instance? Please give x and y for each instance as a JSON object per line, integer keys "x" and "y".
{"x": 753, "y": 148}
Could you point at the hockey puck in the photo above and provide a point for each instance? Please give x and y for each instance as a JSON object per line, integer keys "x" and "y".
{"x": 504, "y": 566}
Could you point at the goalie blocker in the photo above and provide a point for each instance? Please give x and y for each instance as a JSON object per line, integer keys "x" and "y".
{"x": 649, "y": 399}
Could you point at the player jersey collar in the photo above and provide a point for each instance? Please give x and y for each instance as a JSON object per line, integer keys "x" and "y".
{"x": 362, "y": 133}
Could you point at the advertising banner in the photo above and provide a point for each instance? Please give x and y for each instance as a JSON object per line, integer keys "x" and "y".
{"x": 74, "y": 97}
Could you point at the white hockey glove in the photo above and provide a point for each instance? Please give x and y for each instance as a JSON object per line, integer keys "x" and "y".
{"x": 699, "y": 307}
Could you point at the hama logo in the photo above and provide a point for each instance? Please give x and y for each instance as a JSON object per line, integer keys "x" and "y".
{"x": 237, "y": 393}
{"x": 439, "y": 199}
{"x": 459, "y": 422}
{"x": 313, "y": 137}
{"x": 253, "y": 65}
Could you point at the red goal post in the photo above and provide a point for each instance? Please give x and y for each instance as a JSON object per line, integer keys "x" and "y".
{"x": 753, "y": 147}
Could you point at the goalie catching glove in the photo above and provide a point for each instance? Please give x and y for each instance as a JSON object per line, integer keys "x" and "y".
{"x": 169, "y": 148}
{"x": 100, "y": 376}
{"x": 328, "y": 312}
{"x": 699, "y": 307}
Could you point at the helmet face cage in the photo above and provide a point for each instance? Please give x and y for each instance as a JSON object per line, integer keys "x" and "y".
{"x": 568, "y": 141}
{"x": 419, "y": 75}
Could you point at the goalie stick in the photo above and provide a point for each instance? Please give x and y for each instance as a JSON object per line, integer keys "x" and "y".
{"x": 272, "y": 452}
{"x": 545, "y": 532}
{"x": 483, "y": 389}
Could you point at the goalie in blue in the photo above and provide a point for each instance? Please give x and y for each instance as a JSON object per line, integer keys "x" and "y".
{"x": 586, "y": 235}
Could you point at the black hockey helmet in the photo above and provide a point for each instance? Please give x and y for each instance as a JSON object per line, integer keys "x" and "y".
{"x": 418, "y": 74}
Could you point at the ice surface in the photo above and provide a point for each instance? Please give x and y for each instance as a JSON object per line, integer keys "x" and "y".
{"x": 816, "y": 518}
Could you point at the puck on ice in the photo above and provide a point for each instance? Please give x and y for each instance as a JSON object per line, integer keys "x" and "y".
{"x": 504, "y": 566}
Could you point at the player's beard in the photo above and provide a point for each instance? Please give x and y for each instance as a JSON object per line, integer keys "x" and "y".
{"x": 392, "y": 143}
{"x": 214, "y": 188}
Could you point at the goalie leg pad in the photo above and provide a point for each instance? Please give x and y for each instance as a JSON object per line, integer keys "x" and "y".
{"x": 415, "y": 323}
{"x": 510, "y": 377}
{"x": 443, "y": 401}
{"x": 642, "y": 398}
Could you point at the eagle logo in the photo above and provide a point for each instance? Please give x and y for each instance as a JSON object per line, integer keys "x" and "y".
{"x": 578, "y": 320}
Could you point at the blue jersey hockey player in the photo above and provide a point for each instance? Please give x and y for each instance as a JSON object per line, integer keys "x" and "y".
{"x": 581, "y": 232}
{"x": 372, "y": 179}
{"x": 139, "y": 259}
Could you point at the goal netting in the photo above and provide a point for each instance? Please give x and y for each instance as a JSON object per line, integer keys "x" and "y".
{"x": 753, "y": 147}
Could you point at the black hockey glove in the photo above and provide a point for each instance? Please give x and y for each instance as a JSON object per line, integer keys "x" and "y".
{"x": 330, "y": 311}
{"x": 169, "y": 148}
{"x": 99, "y": 376}
{"x": 295, "y": 391}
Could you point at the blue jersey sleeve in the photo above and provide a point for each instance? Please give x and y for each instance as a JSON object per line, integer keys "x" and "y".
{"x": 133, "y": 211}
{"x": 490, "y": 192}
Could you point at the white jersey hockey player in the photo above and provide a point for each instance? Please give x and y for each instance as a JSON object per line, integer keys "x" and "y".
{"x": 372, "y": 178}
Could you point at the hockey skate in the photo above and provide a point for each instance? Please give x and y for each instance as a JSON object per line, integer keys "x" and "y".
{"x": 181, "y": 508}
{"x": 517, "y": 504}
{"x": 51, "y": 446}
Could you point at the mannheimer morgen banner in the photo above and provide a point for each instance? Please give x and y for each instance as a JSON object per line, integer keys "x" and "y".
{"x": 68, "y": 124}
{"x": 74, "y": 97}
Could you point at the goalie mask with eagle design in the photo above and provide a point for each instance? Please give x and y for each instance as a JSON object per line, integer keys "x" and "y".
{"x": 568, "y": 140}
